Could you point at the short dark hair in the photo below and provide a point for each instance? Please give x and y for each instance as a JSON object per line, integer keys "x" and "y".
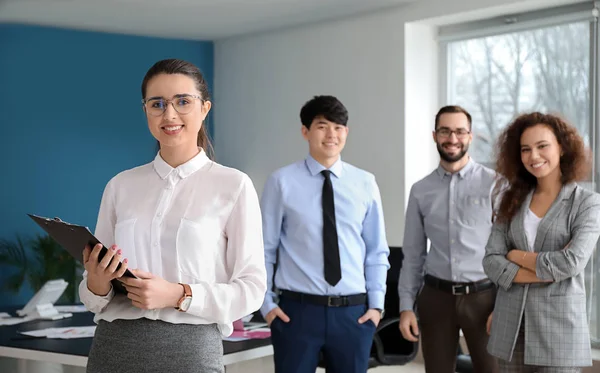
{"x": 176, "y": 66}
{"x": 451, "y": 109}
{"x": 329, "y": 107}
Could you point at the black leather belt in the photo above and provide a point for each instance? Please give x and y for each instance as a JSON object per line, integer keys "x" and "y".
{"x": 458, "y": 288}
{"x": 324, "y": 300}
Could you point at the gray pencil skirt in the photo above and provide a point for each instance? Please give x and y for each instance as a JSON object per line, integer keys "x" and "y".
{"x": 143, "y": 345}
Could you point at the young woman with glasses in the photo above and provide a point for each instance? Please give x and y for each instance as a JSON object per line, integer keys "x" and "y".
{"x": 188, "y": 228}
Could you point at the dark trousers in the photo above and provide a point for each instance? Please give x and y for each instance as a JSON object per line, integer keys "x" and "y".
{"x": 312, "y": 329}
{"x": 442, "y": 315}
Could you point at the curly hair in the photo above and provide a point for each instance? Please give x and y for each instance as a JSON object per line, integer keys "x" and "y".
{"x": 515, "y": 182}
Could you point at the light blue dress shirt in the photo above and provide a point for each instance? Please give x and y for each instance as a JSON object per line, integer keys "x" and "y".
{"x": 293, "y": 225}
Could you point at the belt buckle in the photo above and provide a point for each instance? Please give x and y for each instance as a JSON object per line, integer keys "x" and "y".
{"x": 339, "y": 302}
{"x": 457, "y": 292}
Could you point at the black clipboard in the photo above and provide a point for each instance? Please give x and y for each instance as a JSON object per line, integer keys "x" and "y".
{"x": 73, "y": 238}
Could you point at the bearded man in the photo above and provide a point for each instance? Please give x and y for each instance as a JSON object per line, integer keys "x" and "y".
{"x": 446, "y": 285}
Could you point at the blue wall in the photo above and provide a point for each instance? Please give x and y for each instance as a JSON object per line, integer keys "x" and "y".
{"x": 71, "y": 118}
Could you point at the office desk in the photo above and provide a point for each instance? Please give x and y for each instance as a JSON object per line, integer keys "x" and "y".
{"x": 249, "y": 356}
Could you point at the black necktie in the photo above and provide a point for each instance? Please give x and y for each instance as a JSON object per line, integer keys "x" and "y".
{"x": 331, "y": 250}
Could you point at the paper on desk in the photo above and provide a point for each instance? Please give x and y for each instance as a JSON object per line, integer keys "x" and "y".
{"x": 235, "y": 339}
{"x": 71, "y": 309}
{"x": 255, "y": 325}
{"x": 14, "y": 320}
{"x": 64, "y": 333}
{"x": 242, "y": 335}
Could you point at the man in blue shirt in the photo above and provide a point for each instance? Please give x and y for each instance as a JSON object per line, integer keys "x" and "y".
{"x": 325, "y": 241}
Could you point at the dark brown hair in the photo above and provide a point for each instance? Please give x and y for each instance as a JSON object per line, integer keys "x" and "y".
{"x": 451, "y": 109}
{"x": 175, "y": 66}
{"x": 515, "y": 181}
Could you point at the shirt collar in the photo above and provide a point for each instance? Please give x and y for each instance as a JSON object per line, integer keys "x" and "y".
{"x": 461, "y": 173}
{"x": 163, "y": 169}
{"x": 315, "y": 167}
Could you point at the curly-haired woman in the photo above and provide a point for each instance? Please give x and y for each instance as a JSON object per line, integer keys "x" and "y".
{"x": 545, "y": 230}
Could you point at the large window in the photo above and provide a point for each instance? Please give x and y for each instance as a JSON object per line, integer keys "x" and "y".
{"x": 498, "y": 77}
{"x": 544, "y": 61}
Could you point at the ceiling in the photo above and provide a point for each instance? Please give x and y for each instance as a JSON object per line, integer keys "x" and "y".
{"x": 186, "y": 19}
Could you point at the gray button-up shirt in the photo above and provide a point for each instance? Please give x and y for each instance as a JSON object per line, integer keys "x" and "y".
{"x": 453, "y": 211}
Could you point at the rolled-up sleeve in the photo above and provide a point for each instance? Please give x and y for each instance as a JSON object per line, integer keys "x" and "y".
{"x": 571, "y": 261}
{"x": 499, "y": 269}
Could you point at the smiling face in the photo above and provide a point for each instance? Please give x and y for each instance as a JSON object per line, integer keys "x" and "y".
{"x": 453, "y": 136}
{"x": 171, "y": 128}
{"x": 326, "y": 139}
{"x": 540, "y": 151}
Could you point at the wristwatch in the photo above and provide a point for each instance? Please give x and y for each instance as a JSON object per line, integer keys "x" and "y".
{"x": 381, "y": 311}
{"x": 184, "y": 303}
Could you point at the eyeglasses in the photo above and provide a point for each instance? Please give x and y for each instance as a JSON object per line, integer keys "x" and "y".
{"x": 447, "y": 132}
{"x": 183, "y": 104}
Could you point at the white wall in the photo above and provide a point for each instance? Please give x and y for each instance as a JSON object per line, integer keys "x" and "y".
{"x": 421, "y": 77}
{"x": 383, "y": 67}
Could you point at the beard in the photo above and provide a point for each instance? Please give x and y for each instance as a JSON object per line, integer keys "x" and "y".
{"x": 452, "y": 158}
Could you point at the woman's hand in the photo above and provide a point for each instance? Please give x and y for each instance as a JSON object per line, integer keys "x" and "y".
{"x": 101, "y": 273}
{"x": 150, "y": 292}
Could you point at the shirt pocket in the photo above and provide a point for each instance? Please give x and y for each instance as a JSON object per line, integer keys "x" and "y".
{"x": 198, "y": 247}
{"x": 475, "y": 209}
{"x": 125, "y": 240}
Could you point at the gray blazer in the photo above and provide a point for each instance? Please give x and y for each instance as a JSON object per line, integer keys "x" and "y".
{"x": 556, "y": 328}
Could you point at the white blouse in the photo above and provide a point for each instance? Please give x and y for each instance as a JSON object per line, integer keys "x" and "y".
{"x": 531, "y": 223}
{"x": 199, "y": 224}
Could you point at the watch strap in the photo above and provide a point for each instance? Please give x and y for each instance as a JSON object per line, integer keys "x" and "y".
{"x": 187, "y": 293}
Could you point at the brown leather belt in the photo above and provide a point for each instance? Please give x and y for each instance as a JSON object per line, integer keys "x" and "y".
{"x": 324, "y": 300}
{"x": 458, "y": 288}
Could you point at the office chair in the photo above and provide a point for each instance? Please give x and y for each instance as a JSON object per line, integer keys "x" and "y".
{"x": 392, "y": 348}
{"x": 395, "y": 350}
